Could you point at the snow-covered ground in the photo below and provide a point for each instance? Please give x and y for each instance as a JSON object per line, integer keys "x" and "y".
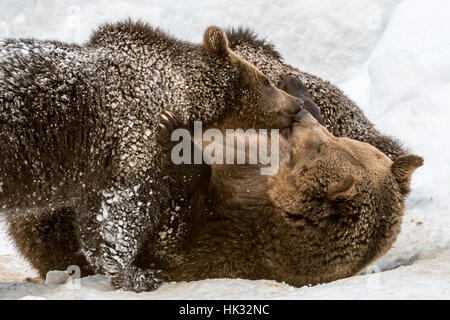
{"x": 392, "y": 57}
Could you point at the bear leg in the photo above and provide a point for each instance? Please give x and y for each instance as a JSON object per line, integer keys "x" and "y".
{"x": 113, "y": 226}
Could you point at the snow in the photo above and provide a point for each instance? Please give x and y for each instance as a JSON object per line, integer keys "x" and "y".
{"x": 331, "y": 39}
{"x": 426, "y": 278}
{"x": 391, "y": 57}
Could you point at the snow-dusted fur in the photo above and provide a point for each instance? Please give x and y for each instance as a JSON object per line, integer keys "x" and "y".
{"x": 80, "y": 174}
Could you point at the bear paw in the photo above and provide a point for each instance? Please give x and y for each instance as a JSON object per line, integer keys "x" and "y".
{"x": 139, "y": 280}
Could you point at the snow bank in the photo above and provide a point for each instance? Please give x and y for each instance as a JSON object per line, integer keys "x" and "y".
{"x": 331, "y": 39}
{"x": 404, "y": 88}
{"x": 425, "y": 279}
{"x": 391, "y": 57}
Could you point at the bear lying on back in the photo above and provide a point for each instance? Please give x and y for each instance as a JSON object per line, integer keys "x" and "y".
{"x": 335, "y": 205}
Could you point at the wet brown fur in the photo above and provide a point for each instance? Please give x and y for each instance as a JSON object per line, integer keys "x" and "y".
{"x": 334, "y": 206}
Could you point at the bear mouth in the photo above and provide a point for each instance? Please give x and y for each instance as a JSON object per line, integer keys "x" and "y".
{"x": 302, "y": 113}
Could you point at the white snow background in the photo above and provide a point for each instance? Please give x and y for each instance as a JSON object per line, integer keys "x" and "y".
{"x": 392, "y": 57}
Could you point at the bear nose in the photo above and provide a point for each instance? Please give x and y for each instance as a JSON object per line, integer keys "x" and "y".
{"x": 300, "y": 115}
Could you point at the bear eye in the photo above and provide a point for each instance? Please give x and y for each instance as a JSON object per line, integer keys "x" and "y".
{"x": 320, "y": 147}
{"x": 266, "y": 82}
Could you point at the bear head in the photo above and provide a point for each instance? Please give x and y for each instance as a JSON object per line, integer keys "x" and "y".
{"x": 254, "y": 101}
{"x": 343, "y": 199}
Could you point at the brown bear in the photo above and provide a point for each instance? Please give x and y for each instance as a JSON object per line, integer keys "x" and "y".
{"x": 341, "y": 116}
{"x": 81, "y": 179}
{"x": 335, "y": 205}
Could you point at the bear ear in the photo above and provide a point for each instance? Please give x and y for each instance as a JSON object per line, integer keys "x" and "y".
{"x": 402, "y": 169}
{"x": 342, "y": 189}
{"x": 215, "y": 42}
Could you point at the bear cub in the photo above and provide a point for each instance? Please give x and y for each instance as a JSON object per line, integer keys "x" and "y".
{"x": 81, "y": 177}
